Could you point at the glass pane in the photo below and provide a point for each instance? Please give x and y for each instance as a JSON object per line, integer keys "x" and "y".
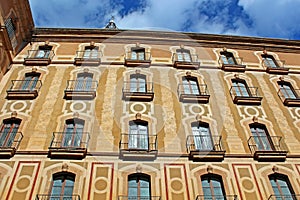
{"x": 270, "y": 62}
{"x": 133, "y": 55}
{"x": 224, "y": 59}
{"x": 87, "y": 53}
{"x": 187, "y": 57}
{"x": 287, "y": 91}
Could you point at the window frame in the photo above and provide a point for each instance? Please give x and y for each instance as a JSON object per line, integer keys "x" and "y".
{"x": 137, "y": 177}
{"x": 137, "y": 141}
{"x": 202, "y": 144}
{"x": 62, "y": 176}
{"x": 212, "y": 191}
{"x": 74, "y": 136}
{"x": 284, "y": 179}
{"x": 10, "y": 123}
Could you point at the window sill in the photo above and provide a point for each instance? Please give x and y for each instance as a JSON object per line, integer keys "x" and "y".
{"x": 198, "y": 155}
{"x": 245, "y": 100}
{"x": 67, "y": 153}
{"x": 233, "y": 68}
{"x": 79, "y": 95}
{"x": 270, "y": 155}
{"x": 292, "y": 102}
{"x": 87, "y": 61}
{"x": 138, "y": 96}
{"x": 186, "y": 65}
{"x": 193, "y": 98}
{"x": 277, "y": 70}
{"x": 7, "y": 153}
{"x": 137, "y": 63}
{"x": 37, "y": 61}
{"x": 21, "y": 94}
{"x": 135, "y": 154}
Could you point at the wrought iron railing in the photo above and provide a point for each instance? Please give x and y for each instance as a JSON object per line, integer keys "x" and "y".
{"x": 73, "y": 140}
{"x": 191, "y": 58}
{"x": 139, "y": 142}
{"x": 233, "y": 61}
{"x": 243, "y": 91}
{"x": 217, "y": 197}
{"x": 139, "y": 198}
{"x": 132, "y": 56}
{"x": 273, "y": 63}
{"x": 287, "y": 93}
{"x": 56, "y": 197}
{"x": 40, "y": 54}
{"x": 188, "y": 89}
{"x": 284, "y": 197}
{"x": 266, "y": 143}
{"x": 204, "y": 143}
{"x": 25, "y": 86}
{"x": 82, "y": 85}
{"x": 137, "y": 87}
{"x": 10, "y": 140}
{"x": 89, "y": 55}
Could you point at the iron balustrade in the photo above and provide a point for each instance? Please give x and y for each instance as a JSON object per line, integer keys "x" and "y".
{"x": 273, "y": 63}
{"x": 204, "y": 143}
{"x": 82, "y": 85}
{"x": 139, "y": 198}
{"x": 40, "y": 54}
{"x": 138, "y": 142}
{"x": 243, "y": 91}
{"x": 233, "y": 61}
{"x": 137, "y": 87}
{"x": 217, "y": 197}
{"x": 72, "y": 140}
{"x": 284, "y": 197}
{"x": 266, "y": 143}
{"x": 189, "y": 89}
{"x": 56, "y": 197}
{"x": 89, "y": 55}
{"x": 10, "y": 140}
{"x": 287, "y": 93}
{"x": 190, "y": 58}
{"x": 138, "y": 56}
{"x": 25, "y": 86}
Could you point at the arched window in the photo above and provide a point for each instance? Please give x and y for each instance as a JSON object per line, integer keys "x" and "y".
{"x": 91, "y": 52}
{"x": 228, "y": 58}
{"x": 83, "y": 82}
{"x": 269, "y": 61}
{"x": 30, "y": 81}
{"x": 73, "y": 131}
{"x": 261, "y": 137}
{"x": 190, "y": 85}
{"x": 202, "y": 136}
{"x": 138, "y": 83}
{"x": 212, "y": 187}
{"x": 139, "y": 186}
{"x": 62, "y": 186}
{"x": 287, "y": 90}
{"x": 241, "y": 88}
{"x": 138, "y": 135}
{"x": 8, "y": 131}
{"x": 183, "y": 55}
{"x": 282, "y": 187}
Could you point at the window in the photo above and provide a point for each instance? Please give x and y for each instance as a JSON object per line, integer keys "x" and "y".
{"x": 139, "y": 187}
{"x": 212, "y": 186}
{"x": 137, "y": 53}
{"x": 30, "y": 81}
{"x": 138, "y": 83}
{"x": 91, "y": 52}
{"x": 11, "y": 28}
{"x": 138, "y": 135}
{"x": 202, "y": 136}
{"x": 183, "y": 55}
{"x": 281, "y": 187}
{"x": 261, "y": 137}
{"x": 72, "y": 134}
{"x": 62, "y": 186}
{"x": 228, "y": 58}
{"x": 8, "y": 131}
{"x": 83, "y": 82}
{"x": 269, "y": 61}
{"x": 287, "y": 90}
{"x": 240, "y": 87}
{"x": 190, "y": 85}
{"x": 43, "y": 51}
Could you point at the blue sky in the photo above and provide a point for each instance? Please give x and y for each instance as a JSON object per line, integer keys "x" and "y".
{"x": 260, "y": 18}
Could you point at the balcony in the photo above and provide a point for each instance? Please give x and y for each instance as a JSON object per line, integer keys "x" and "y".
{"x": 133, "y": 59}
{"x": 9, "y": 143}
{"x": 284, "y": 197}
{"x": 275, "y": 67}
{"x": 205, "y": 148}
{"x": 267, "y": 148}
{"x": 190, "y": 62}
{"x": 217, "y": 197}
{"x": 39, "y": 57}
{"x": 88, "y": 58}
{"x": 69, "y": 145}
{"x": 139, "y": 197}
{"x": 236, "y": 65}
{"x": 138, "y": 147}
{"x": 193, "y": 94}
{"x": 56, "y": 197}
{"x": 81, "y": 90}
{"x": 135, "y": 91}
{"x": 289, "y": 97}
{"x": 245, "y": 95}
{"x": 24, "y": 89}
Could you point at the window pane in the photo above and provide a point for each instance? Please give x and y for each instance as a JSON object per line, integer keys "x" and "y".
{"x": 270, "y": 62}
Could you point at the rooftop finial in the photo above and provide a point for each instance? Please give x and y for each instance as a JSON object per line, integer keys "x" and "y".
{"x": 111, "y": 24}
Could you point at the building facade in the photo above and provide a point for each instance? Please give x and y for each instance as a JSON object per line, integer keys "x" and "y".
{"x": 136, "y": 115}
